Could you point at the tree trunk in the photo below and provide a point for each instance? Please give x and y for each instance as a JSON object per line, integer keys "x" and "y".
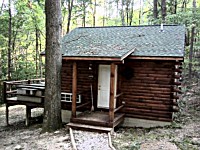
{"x": 70, "y": 6}
{"x": 155, "y": 9}
{"x": 140, "y": 13}
{"x": 122, "y": 13}
{"x": 36, "y": 49}
{"x": 175, "y": 6}
{"x": 127, "y": 11}
{"x": 53, "y": 58}
{"x": 192, "y": 40}
{"x": 131, "y": 13}
{"x": 184, "y": 5}
{"x": 164, "y": 10}
{"x": 9, "y": 41}
{"x": 40, "y": 57}
{"x": 84, "y": 13}
{"x": 191, "y": 52}
{"x": 94, "y": 13}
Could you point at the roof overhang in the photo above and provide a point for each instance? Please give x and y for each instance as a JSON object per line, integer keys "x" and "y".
{"x": 97, "y": 58}
{"x": 156, "y": 58}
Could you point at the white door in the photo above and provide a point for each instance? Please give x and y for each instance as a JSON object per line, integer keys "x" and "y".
{"x": 104, "y": 86}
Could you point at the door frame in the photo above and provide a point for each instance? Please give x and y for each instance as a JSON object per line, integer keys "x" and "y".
{"x": 115, "y": 90}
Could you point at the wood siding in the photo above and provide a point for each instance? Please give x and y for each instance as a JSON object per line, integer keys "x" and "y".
{"x": 150, "y": 87}
{"x": 85, "y": 71}
{"x": 149, "y": 93}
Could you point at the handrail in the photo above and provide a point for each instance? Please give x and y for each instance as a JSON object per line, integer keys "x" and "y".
{"x": 118, "y": 108}
{"x": 82, "y": 105}
{"x": 19, "y": 81}
{"x": 118, "y": 95}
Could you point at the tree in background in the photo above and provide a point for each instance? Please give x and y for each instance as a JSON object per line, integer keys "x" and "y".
{"x": 52, "y": 109}
{"x": 9, "y": 40}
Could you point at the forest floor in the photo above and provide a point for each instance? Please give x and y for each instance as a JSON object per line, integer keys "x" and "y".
{"x": 184, "y": 133}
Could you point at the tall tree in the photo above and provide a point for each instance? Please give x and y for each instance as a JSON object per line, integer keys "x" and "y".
{"x": 9, "y": 40}
{"x": 192, "y": 40}
{"x": 70, "y": 7}
{"x": 52, "y": 109}
{"x": 122, "y": 13}
{"x": 94, "y": 13}
{"x": 155, "y": 9}
{"x": 164, "y": 10}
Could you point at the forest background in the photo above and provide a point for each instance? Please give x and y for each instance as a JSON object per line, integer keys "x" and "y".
{"x": 22, "y": 29}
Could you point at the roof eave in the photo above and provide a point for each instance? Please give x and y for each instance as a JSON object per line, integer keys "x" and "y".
{"x": 76, "y": 58}
{"x": 178, "y": 58}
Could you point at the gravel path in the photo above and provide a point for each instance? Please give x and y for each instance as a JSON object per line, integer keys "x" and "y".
{"x": 91, "y": 140}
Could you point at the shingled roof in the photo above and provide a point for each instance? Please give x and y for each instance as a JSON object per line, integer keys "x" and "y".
{"x": 120, "y": 41}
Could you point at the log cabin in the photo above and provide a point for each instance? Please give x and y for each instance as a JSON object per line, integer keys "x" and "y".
{"x": 114, "y": 76}
{"x": 129, "y": 74}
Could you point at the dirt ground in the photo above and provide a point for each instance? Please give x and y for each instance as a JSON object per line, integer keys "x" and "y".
{"x": 184, "y": 133}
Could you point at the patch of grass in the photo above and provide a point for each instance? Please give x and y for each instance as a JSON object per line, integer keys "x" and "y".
{"x": 175, "y": 125}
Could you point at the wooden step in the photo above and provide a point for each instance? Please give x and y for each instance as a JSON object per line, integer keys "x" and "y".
{"x": 89, "y": 127}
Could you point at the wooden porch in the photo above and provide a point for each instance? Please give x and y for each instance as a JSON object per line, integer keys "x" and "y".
{"x": 108, "y": 118}
{"x": 98, "y": 118}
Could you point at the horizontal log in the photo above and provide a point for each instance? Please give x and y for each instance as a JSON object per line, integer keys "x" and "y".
{"x": 153, "y": 72}
{"x": 175, "y": 108}
{"x": 178, "y": 70}
{"x": 148, "y": 88}
{"x": 177, "y": 90}
{"x": 155, "y": 75}
{"x": 148, "y": 101}
{"x": 149, "y": 117}
{"x": 148, "y": 106}
{"x": 149, "y": 85}
{"x": 129, "y": 110}
{"x": 178, "y": 63}
{"x": 177, "y": 76}
{"x": 144, "y": 97}
{"x": 158, "y": 70}
{"x": 150, "y": 66}
{"x": 177, "y": 83}
{"x": 82, "y": 105}
{"x": 175, "y": 96}
{"x": 146, "y": 94}
{"x": 151, "y": 78}
{"x": 152, "y": 114}
{"x": 148, "y": 81}
{"x": 160, "y": 64}
{"x": 132, "y": 90}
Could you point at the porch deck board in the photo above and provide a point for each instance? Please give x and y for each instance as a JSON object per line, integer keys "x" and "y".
{"x": 98, "y": 119}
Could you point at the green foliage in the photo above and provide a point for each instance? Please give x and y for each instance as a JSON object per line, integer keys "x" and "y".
{"x": 28, "y": 16}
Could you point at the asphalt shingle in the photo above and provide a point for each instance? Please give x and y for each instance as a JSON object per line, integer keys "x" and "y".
{"x": 117, "y": 41}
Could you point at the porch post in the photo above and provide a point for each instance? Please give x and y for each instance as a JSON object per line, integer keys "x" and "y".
{"x": 74, "y": 89}
{"x": 112, "y": 89}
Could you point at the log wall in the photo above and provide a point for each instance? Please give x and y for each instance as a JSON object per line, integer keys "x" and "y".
{"x": 150, "y": 88}
{"x": 86, "y": 76}
{"x": 151, "y": 92}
